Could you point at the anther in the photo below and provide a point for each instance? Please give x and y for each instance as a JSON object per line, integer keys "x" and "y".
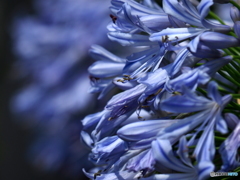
{"x": 114, "y": 18}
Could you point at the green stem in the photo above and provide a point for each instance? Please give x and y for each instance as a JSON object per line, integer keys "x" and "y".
{"x": 234, "y": 51}
{"x": 235, "y": 105}
{"x": 229, "y": 78}
{"x": 236, "y": 66}
{"x": 213, "y": 15}
{"x": 232, "y": 71}
{"x": 237, "y": 60}
{"x": 229, "y": 111}
{"x": 219, "y": 138}
{"x": 236, "y": 96}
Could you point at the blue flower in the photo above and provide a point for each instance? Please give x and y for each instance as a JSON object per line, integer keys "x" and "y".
{"x": 229, "y": 150}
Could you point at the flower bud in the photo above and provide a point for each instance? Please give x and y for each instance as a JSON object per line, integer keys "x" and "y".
{"x": 235, "y": 14}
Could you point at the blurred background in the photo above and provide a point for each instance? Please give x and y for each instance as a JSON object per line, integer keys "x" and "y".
{"x": 43, "y": 85}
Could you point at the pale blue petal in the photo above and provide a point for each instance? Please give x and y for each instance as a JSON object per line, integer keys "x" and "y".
{"x": 162, "y": 152}
{"x": 173, "y": 8}
{"x": 173, "y": 176}
{"x": 127, "y": 39}
{"x": 183, "y": 151}
{"x": 232, "y": 120}
{"x": 193, "y": 44}
{"x": 153, "y": 5}
{"x": 156, "y": 22}
{"x": 213, "y": 92}
{"x": 104, "y": 69}
{"x": 203, "y": 7}
{"x": 177, "y": 64}
{"x": 235, "y": 14}
{"x": 176, "y": 23}
{"x": 229, "y": 150}
{"x": 86, "y": 139}
{"x": 183, "y": 126}
{"x": 143, "y": 129}
{"x": 218, "y": 41}
{"x": 99, "y": 53}
{"x": 124, "y": 85}
{"x": 176, "y": 34}
{"x": 185, "y": 104}
{"x": 192, "y": 10}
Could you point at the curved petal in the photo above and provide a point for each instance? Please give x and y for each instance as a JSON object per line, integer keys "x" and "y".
{"x": 99, "y": 53}
{"x": 174, "y": 8}
{"x": 143, "y": 130}
{"x": 176, "y": 34}
{"x": 162, "y": 152}
{"x": 218, "y": 41}
{"x": 127, "y": 39}
{"x": 104, "y": 69}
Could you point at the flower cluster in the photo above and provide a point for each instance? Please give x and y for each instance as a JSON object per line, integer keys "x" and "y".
{"x": 176, "y": 113}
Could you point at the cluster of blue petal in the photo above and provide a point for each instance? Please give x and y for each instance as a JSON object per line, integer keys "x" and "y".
{"x": 164, "y": 121}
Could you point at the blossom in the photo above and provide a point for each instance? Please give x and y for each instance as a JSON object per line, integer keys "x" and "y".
{"x": 181, "y": 72}
{"x": 228, "y": 151}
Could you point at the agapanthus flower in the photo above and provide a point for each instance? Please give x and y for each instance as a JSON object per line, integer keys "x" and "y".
{"x": 176, "y": 104}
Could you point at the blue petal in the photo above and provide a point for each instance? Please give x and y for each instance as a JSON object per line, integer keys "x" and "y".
{"x": 176, "y": 34}
{"x": 203, "y": 51}
{"x": 183, "y": 126}
{"x": 143, "y": 129}
{"x": 172, "y": 176}
{"x": 156, "y": 22}
{"x": 99, "y": 53}
{"x": 177, "y": 64}
{"x": 104, "y": 69}
{"x": 126, "y": 39}
{"x": 218, "y": 41}
{"x": 86, "y": 139}
{"x": 235, "y": 14}
{"x": 118, "y": 175}
{"x": 214, "y": 65}
{"x": 193, "y": 44}
{"x": 173, "y": 8}
{"x": 213, "y": 92}
{"x": 186, "y": 103}
{"x": 142, "y": 162}
{"x": 236, "y": 28}
{"x": 203, "y": 7}
{"x": 162, "y": 152}
{"x": 183, "y": 151}
{"x": 232, "y": 120}
{"x": 229, "y": 150}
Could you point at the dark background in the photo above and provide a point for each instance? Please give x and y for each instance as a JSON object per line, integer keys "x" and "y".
{"x": 14, "y": 139}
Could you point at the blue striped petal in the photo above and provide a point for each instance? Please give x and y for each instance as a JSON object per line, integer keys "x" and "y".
{"x": 126, "y": 39}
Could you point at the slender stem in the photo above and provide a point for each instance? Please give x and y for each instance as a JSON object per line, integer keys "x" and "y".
{"x": 229, "y": 111}
{"x": 213, "y": 15}
{"x": 236, "y": 66}
{"x": 237, "y": 60}
{"x": 229, "y": 78}
{"x": 234, "y": 51}
{"x": 234, "y": 74}
{"x": 228, "y": 52}
{"x": 236, "y": 96}
{"x": 235, "y": 105}
{"x": 225, "y": 85}
{"x": 219, "y": 138}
